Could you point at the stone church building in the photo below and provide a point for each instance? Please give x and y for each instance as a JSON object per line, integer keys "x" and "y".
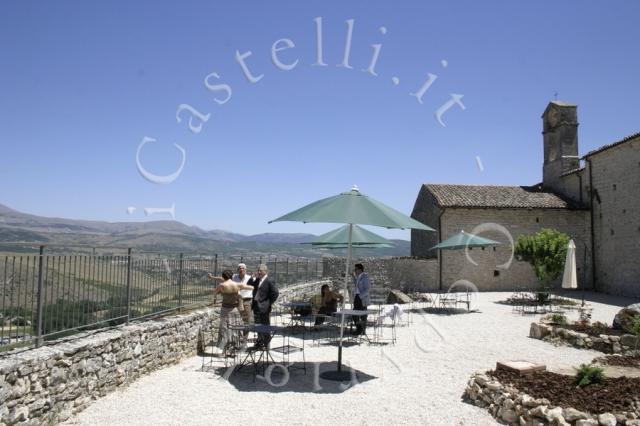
{"x": 594, "y": 198}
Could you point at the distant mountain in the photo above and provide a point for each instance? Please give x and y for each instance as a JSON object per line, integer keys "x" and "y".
{"x": 160, "y": 236}
{"x": 272, "y": 237}
{"x": 219, "y": 234}
{"x": 13, "y": 218}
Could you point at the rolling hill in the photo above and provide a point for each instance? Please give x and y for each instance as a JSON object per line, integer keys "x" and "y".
{"x": 24, "y": 232}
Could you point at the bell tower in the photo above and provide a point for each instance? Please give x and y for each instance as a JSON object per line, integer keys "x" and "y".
{"x": 560, "y": 136}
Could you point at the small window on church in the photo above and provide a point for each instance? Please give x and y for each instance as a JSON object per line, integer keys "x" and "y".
{"x": 624, "y": 211}
{"x": 496, "y": 273}
{"x": 494, "y": 247}
{"x": 600, "y": 215}
{"x": 614, "y": 186}
{"x": 537, "y": 220}
{"x": 612, "y": 232}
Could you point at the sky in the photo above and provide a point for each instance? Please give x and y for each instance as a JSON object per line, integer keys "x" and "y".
{"x": 88, "y": 87}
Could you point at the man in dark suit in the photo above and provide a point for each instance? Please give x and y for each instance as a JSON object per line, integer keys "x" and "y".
{"x": 265, "y": 293}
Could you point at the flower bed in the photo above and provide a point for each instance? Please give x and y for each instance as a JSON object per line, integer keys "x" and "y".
{"x": 547, "y": 398}
{"x": 594, "y": 330}
{"x": 607, "y": 343}
{"x": 631, "y": 361}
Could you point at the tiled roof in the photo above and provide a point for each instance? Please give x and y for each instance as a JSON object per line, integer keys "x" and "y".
{"x": 491, "y": 196}
{"x": 611, "y": 145}
{"x": 563, "y": 103}
{"x": 579, "y": 169}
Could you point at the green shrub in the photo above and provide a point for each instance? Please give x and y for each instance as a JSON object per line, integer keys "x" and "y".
{"x": 558, "y": 319}
{"x": 599, "y": 327}
{"x": 589, "y": 374}
{"x": 546, "y": 251}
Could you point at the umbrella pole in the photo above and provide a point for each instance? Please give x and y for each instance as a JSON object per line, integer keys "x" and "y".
{"x": 339, "y": 375}
{"x": 346, "y": 291}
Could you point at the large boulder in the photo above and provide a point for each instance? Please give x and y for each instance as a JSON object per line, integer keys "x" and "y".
{"x": 396, "y": 296}
{"x": 539, "y": 331}
{"x": 624, "y": 318}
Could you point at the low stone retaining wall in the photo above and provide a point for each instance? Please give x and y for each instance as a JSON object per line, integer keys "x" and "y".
{"x": 301, "y": 290}
{"x": 48, "y": 384}
{"x": 603, "y": 343}
{"x": 403, "y": 273}
{"x": 513, "y": 407}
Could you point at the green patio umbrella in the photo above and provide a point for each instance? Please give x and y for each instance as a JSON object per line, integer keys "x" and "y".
{"x": 351, "y": 208}
{"x": 353, "y": 247}
{"x": 340, "y": 236}
{"x": 462, "y": 240}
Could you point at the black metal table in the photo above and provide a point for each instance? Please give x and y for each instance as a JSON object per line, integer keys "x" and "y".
{"x": 259, "y": 356}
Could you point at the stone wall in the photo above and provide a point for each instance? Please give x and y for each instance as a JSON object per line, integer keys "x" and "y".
{"x": 624, "y": 344}
{"x": 301, "y": 291}
{"x": 427, "y": 211}
{"x": 492, "y": 272}
{"x": 403, "y": 273}
{"x": 560, "y": 143}
{"x": 616, "y": 213}
{"x": 48, "y": 384}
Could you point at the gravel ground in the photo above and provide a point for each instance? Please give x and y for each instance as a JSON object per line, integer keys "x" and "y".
{"x": 419, "y": 380}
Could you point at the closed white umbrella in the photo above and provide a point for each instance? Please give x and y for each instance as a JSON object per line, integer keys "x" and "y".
{"x": 569, "y": 278}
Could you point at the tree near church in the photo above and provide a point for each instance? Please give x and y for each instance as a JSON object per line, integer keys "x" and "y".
{"x": 546, "y": 251}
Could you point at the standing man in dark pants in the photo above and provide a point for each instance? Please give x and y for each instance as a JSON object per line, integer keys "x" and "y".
{"x": 265, "y": 293}
{"x": 361, "y": 299}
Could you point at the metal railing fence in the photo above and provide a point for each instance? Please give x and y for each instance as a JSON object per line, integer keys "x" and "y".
{"x": 47, "y": 296}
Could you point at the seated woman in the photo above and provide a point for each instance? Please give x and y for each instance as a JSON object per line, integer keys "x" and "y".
{"x": 329, "y": 303}
{"x": 229, "y": 313}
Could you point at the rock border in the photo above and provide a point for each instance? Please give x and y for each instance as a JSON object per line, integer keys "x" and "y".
{"x": 509, "y": 405}
{"x": 604, "y": 343}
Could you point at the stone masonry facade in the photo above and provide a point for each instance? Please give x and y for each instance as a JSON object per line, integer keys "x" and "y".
{"x": 496, "y": 269}
{"x": 616, "y": 216}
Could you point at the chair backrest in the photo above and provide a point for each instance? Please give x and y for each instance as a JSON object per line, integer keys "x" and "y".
{"x": 379, "y": 295}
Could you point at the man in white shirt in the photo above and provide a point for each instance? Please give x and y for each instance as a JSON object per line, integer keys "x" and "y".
{"x": 361, "y": 300}
{"x": 246, "y": 295}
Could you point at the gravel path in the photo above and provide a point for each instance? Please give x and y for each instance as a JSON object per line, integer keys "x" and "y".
{"x": 420, "y": 380}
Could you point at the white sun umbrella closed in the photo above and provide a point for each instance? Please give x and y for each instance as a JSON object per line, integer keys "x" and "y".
{"x": 569, "y": 278}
